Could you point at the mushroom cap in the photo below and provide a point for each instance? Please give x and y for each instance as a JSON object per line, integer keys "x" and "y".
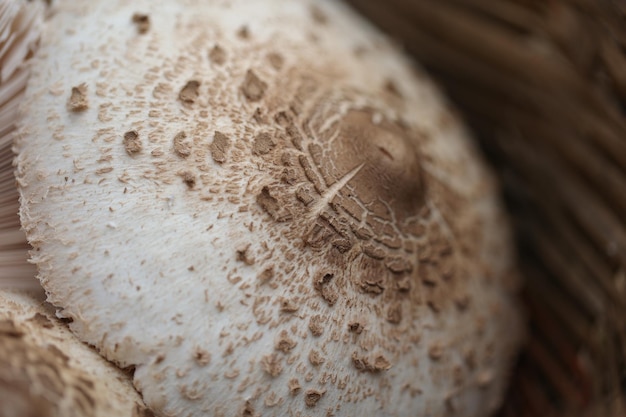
{"x": 20, "y": 25}
{"x": 46, "y": 371}
{"x": 264, "y": 209}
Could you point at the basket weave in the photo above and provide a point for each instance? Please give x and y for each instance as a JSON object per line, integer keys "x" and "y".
{"x": 543, "y": 85}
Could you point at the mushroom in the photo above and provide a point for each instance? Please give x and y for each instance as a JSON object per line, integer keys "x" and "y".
{"x": 20, "y": 25}
{"x": 46, "y": 372}
{"x": 264, "y": 209}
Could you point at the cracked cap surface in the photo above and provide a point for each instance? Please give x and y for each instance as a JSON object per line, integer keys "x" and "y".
{"x": 265, "y": 210}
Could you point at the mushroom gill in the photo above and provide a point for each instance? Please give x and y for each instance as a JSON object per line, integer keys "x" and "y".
{"x": 20, "y": 25}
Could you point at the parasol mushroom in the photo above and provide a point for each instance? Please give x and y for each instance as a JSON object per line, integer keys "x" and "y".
{"x": 264, "y": 209}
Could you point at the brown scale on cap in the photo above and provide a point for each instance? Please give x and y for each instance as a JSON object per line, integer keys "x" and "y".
{"x": 78, "y": 99}
{"x": 316, "y": 358}
{"x": 248, "y": 410}
{"x": 217, "y": 55}
{"x": 294, "y": 386}
{"x": 284, "y": 343}
{"x": 276, "y": 60}
{"x": 366, "y": 364}
{"x": 355, "y": 327}
{"x": 202, "y": 357}
{"x": 182, "y": 147}
{"x": 253, "y": 88}
{"x": 219, "y": 147}
{"x": 189, "y": 93}
{"x": 142, "y": 21}
{"x": 316, "y": 326}
{"x": 272, "y": 364}
{"x": 313, "y": 396}
{"x": 263, "y": 144}
{"x": 132, "y": 142}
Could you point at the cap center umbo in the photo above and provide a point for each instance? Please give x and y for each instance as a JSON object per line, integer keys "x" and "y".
{"x": 364, "y": 180}
{"x": 351, "y": 178}
{"x": 387, "y": 181}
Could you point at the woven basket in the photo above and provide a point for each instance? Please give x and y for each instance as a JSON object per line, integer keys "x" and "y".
{"x": 543, "y": 85}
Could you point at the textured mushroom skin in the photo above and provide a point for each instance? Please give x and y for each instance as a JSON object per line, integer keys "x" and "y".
{"x": 46, "y": 372}
{"x": 265, "y": 210}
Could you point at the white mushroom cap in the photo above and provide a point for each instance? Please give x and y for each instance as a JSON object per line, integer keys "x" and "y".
{"x": 265, "y": 210}
{"x": 46, "y": 372}
{"x": 20, "y": 25}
